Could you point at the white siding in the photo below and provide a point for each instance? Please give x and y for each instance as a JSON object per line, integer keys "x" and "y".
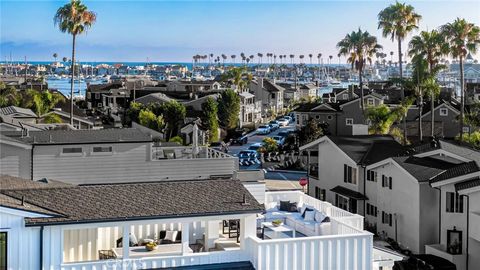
{"x": 22, "y": 243}
{"x": 257, "y": 190}
{"x": 129, "y": 163}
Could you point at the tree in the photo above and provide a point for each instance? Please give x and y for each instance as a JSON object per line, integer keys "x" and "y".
{"x": 229, "y": 108}
{"x": 210, "y": 118}
{"x": 310, "y": 132}
{"x": 52, "y": 118}
{"x": 419, "y": 74}
{"x": 269, "y": 145}
{"x": 174, "y": 114}
{"x": 74, "y": 18}
{"x": 43, "y": 102}
{"x": 473, "y": 139}
{"x": 359, "y": 47}
{"x": 428, "y": 46}
{"x": 397, "y": 21}
{"x": 472, "y": 116}
{"x": 9, "y": 96}
{"x": 55, "y": 55}
{"x": 382, "y": 118}
{"x": 149, "y": 119}
{"x": 239, "y": 77}
{"x": 463, "y": 37}
{"x": 134, "y": 111}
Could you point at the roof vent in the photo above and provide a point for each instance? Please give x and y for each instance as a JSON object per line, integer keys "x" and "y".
{"x": 245, "y": 202}
{"x": 23, "y": 200}
{"x": 43, "y": 180}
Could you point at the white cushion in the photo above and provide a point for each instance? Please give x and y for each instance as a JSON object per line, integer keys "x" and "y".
{"x": 171, "y": 235}
{"x": 309, "y": 216}
{"x": 272, "y": 206}
{"x": 319, "y": 216}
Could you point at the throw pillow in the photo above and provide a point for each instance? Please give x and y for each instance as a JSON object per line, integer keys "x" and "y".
{"x": 284, "y": 205}
{"x": 171, "y": 235}
{"x": 309, "y": 216}
{"x": 326, "y": 219}
{"x": 292, "y": 207}
{"x": 132, "y": 240}
{"x": 319, "y": 216}
{"x": 307, "y": 210}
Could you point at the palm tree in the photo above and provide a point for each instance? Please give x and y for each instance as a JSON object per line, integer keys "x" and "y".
{"x": 55, "y": 55}
{"x": 429, "y": 46}
{"x": 291, "y": 57}
{"x": 310, "y": 56}
{"x": 74, "y": 18}
{"x": 64, "y": 59}
{"x": 463, "y": 37}
{"x": 233, "y": 56}
{"x": 43, "y": 102}
{"x": 397, "y": 21}
{"x": 359, "y": 47}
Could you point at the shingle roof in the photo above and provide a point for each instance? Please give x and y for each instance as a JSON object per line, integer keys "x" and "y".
{"x": 272, "y": 87}
{"x": 423, "y": 168}
{"x": 118, "y": 202}
{"x": 471, "y": 183}
{"x": 16, "y": 110}
{"x": 153, "y": 98}
{"x": 381, "y": 150}
{"x": 349, "y": 193}
{"x": 356, "y": 147}
{"x": 453, "y": 147}
{"x": 86, "y": 136}
{"x": 459, "y": 170}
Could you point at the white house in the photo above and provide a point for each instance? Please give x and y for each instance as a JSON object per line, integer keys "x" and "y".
{"x": 193, "y": 223}
{"x": 270, "y": 94}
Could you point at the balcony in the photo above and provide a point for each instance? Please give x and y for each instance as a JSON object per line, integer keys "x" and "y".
{"x": 441, "y": 251}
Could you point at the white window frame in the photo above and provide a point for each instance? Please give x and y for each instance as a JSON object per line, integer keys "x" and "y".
{"x": 370, "y": 102}
{"x": 76, "y": 154}
{"x": 345, "y": 96}
{"x": 443, "y": 112}
{"x": 102, "y": 153}
{"x": 349, "y": 120}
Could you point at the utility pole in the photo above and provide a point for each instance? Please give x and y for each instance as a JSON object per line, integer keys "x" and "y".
{"x": 25, "y": 70}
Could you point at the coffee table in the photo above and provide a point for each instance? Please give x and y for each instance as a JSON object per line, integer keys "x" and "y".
{"x": 280, "y": 231}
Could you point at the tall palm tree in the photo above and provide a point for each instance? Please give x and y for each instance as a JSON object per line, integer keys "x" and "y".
{"x": 429, "y": 46}
{"x": 360, "y": 47}
{"x": 291, "y": 58}
{"x": 233, "y": 56}
{"x": 397, "y": 21}
{"x": 55, "y": 55}
{"x": 463, "y": 37}
{"x": 44, "y": 101}
{"x": 75, "y": 19}
{"x": 310, "y": 56}
{"x": 64, "y": 59}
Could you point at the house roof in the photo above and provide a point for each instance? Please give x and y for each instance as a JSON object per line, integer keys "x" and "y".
{"x": 272, "y": 87}
{"x": 85, "y": 136}
{"x": 136, "y": 201}
{"x": 380, "y": 150}
{"x": 459, "y": 170}
{"x": 349, "y": 193}
{"x": 453, "y": 147}
{"x": 17, "y": 110}
{"x": 153, "y": 98}
{"x": 358, "y": 147}
{"x": 423, "y": 168}
{"x": 471, "y": 183}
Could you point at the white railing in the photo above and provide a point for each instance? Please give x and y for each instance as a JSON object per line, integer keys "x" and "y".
{"x": 319, "y": 252}
{"x": 186, "y": 152}
{"x": 326, "y": 207}
{"x": 161, "y": 261}
{"x": 212, "y": 153}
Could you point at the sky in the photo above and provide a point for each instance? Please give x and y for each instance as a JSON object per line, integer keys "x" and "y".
{"x": 163, "y": 31}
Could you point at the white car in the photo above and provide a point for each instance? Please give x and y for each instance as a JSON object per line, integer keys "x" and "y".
{"x": 279, "y": 139}
{"x": 289, "y": 118}
{"x": 262, "y": 130}
{"x": 283, "y": 122}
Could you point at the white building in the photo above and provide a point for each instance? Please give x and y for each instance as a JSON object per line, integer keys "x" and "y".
{"x": 202, "y": 222}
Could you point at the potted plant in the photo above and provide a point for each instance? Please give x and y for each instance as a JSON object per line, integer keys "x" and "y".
{"x": 151, "y": 246}
{"x": 277, "y": 222}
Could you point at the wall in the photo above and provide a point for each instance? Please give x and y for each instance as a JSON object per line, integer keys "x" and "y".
{"x": 474, "y": 243}
{"x": 403, "y": 200}
{"x": 128, "y": 163}
{"x": 429, "y": 199}
{"x": 23, "y": 249}
{"x": 15, "y": 161}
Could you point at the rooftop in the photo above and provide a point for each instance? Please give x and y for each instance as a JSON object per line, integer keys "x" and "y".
{"x": 367, "y": 148}
{"x": 120, "y": 202}
{"x": 423, "y": 168}
{"x": 459, "y": 170}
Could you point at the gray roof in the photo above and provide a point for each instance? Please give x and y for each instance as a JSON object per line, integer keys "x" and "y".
{"x": 459, "y": 170}
{"x": 453, "y": 147}
{"x": 153, "y": 98}
{"x": 471, "y": 183}
{"x": 358, "y": 147}
{"x": 17, "y": 110}
{"x": 423, "y": 168}
{"x": 86, "y": 136}
{"x": 136, "y": 201}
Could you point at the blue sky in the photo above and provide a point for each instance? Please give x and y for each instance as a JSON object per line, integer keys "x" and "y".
{"x": 176, "y": 30}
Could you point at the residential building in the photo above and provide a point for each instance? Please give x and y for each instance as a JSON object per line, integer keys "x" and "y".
{"x": 250, "y": 109}
{"x": 270, "y": 94}
{"x": 107, "y": 156}
{"x": 197, "y": 223}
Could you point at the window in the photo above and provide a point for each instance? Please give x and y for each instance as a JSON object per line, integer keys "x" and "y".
{"x": 387, "y": 181}
{"x": 97, "y": 95}
{"x": 3, "y": 250}
{"x": 454, "y": 203}
{"x": 370, "y": 102}
{"x": 443, "y": 111}
{"x": 72, "y": 150}
{"x": 454, "y": 241}
{"x": 102, "y": 149}
{"x": 345, "y": 96}
{"x": 320, "y": 193}
{"x": 317, "y": 116}
{"x": 386, "y": 218}
{"x": 273, "y": 95}
{"x": 371, "y": 176}
{"x": 341, "y": 202}
{"x": 390, "y": 182}
{"x": 349, "y": 174}
{"x": 349, "y": 121}
{"x": 329, "y": 117}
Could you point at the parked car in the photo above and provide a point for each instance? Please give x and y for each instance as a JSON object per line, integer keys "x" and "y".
{"x": 240, "y": 137}
{"x": 275, "y": 124}
{"x": 248, "y": 155}
{"x": 263, "y": 129}
{"x": 289, "y": 118}
{"x": 279, "y": 139}
{"x": 255, "y": 146}
{"x": 283, "y": 122}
